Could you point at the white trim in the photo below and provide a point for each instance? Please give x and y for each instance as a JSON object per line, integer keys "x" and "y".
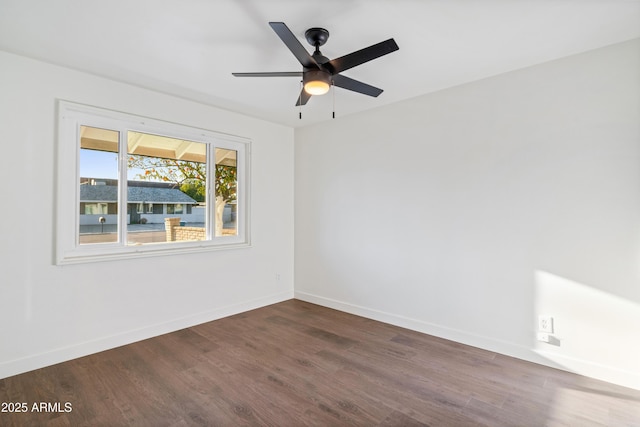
{"x": 546, "y": 358}
{"x": 29, "y": 363}
{"x": 68, "y": 248}
{"x": 123, "y": 209}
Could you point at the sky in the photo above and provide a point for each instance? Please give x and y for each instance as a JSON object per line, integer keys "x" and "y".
{"x": 98, "y": 164}
{"x": 102, "y": 164}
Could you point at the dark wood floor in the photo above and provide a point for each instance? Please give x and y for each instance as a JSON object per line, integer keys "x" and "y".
{"x": 297, "y": 364}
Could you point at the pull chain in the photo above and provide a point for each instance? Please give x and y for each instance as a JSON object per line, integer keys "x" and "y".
{"x": 300, "y": 101}
{"x": 333, "y": 94}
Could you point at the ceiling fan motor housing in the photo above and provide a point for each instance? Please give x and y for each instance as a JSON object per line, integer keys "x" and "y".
{"x": 316, "y": 82}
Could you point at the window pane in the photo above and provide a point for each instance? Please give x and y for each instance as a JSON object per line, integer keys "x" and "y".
{"x": 98, "y": 185}
{"x": 226, "y": 192}
{"x": 165, "y": 175}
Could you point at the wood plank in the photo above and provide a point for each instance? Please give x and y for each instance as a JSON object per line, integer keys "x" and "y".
{"x": 299, "y": 364}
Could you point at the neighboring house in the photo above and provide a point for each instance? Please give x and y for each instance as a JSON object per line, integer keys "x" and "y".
{"x": 147, "y": 202}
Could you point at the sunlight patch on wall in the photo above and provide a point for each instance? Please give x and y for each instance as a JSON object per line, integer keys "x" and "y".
{"x": 597, "y": 333}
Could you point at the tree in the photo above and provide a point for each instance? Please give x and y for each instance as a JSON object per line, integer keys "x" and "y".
{"x": 194, "y": 189}
{"x": 190, "y": 178}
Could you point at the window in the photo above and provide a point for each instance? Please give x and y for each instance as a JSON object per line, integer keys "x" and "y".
{"x": 94, "y": 208}
{"x": 144, "y": 208}
{"x": 174, "y": 209}
{"x": 130, "y": 186}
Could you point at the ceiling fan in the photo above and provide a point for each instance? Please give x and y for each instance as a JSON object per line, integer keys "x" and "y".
{"x": 319, "y": 72}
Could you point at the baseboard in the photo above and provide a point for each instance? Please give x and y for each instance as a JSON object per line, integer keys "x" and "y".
{"x": 593, "y": 370}
{"x": 553, "y": 360}
{"x": 30, "y": 363}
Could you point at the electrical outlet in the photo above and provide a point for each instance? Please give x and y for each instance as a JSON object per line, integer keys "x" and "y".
{"x": 545, "y": 324}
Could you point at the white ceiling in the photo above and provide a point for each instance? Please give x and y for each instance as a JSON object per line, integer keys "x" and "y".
{"x": 190, "y": 48}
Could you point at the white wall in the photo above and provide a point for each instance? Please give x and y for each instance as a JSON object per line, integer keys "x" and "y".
{"x": 468, "y": 212}
{"x": 52, "y": 313}
{"x": 464, "y": 213}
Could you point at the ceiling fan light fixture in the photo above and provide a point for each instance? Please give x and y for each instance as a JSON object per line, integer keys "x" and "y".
{"x": 316, "y": 87}
{"x": 317, "y": 82}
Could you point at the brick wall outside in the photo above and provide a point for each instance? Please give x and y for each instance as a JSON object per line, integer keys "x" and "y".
{"x": 176, "y": 233}
{"x": 189, "y": 233}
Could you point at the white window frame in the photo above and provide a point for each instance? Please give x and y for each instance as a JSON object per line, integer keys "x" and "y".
{"x": 68, "y": 249}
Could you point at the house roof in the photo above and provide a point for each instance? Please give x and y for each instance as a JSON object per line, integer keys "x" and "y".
{"x": 109, "y": 193}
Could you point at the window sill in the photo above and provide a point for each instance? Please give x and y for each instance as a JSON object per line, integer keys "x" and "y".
{"x": 91, "y": 254}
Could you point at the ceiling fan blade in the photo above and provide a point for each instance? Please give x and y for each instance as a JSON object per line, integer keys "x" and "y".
{"x": 355, "y": 85}
{"x": 361, "y": 56}
{"x": 303, "y": 98}
{"x": 271, "y": 74}
{"x": 293, "y": 44}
